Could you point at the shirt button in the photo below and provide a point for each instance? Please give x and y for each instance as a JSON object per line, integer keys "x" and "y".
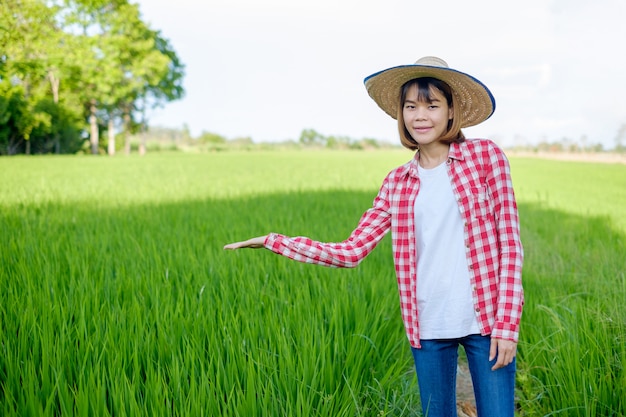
{"x": 478, "y": 310}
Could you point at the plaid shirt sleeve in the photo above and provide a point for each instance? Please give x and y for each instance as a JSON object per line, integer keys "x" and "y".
{"x": 372, "y": 227}
{"x": 494, "y": 250}
{"x": 510, "y": 294}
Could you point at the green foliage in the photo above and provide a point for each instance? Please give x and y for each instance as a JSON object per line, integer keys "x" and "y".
{"x": 312, "y": 138}
{"x": 211, "y": 138}
{"x": 36, "y": 123}
{"x": 63, "y": 133}
{"x": 19, "y": 118}
{"x": 179, "y": 139}
{"x": 95, "y": 60}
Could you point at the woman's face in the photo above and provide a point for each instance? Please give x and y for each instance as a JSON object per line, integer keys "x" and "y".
{"x": 426, "y": 121}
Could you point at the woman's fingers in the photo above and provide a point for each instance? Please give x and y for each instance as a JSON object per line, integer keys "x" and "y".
{"x": 254, "y": 243}
{"x": 504, "y": 351}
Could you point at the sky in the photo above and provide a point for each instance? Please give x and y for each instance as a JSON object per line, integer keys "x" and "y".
{"x": 267, "y": 69}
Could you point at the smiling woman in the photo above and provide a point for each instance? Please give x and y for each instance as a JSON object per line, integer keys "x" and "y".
{"x": 455, "y": 236}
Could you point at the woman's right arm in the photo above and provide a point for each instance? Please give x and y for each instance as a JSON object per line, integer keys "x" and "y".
{"x": 372, "y": 227}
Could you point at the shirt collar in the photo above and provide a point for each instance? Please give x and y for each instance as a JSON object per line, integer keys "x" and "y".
{"x": 456, "y": 152}
{"x": 410, "y": 168}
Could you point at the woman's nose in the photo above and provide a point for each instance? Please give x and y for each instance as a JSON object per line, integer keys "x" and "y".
{"x": 420, "y": 113}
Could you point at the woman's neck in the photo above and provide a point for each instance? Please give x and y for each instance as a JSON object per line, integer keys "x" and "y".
{"x": 433, "y": 155}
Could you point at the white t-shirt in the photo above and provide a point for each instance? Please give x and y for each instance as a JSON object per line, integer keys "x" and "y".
{"x": 444, "y": 293}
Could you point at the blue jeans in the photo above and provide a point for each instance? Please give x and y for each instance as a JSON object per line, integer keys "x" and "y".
{"x": 436, "y": 366}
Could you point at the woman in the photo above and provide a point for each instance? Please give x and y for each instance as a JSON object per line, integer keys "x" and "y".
{"x": 455, "y": 235}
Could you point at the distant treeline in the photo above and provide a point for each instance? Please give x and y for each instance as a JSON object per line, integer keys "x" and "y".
{"x": 180, "y": 139}
{"x": 72, "y": 71}
{"x": 173, "y": 139}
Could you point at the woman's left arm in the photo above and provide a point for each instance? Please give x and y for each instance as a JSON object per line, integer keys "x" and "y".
{"x": 511, "y": 253}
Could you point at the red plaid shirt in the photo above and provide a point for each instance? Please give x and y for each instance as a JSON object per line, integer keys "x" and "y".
{"x": 481, "y": 182}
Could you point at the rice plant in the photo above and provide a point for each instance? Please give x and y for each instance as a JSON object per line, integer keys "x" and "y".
{"x": 117, "y": 298}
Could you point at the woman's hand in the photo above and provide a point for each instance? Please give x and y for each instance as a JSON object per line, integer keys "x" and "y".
{"x": 504, "y": 350}
{"x": 254, "y": 243}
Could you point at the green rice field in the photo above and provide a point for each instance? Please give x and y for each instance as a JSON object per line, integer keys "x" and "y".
{"x": 117, "y": 298}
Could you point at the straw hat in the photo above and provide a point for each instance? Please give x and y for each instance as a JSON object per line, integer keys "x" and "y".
{"x": 476, "y": 101}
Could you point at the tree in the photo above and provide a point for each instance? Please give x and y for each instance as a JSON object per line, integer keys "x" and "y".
{"x": 310, "y": 137}
{"x": 27, "y": 35}
{"x": 155, "y": 75}
{"x": 129, "y": 67}
{"x": 69, "y": 65}
{"x": 211, "y": 138}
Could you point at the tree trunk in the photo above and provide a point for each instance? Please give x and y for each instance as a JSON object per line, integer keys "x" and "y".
{"x": 27, "y": 150}
{"x": 54, "y": 85}
{"x": 111, "y": 131}
{"x": 13, "y": 145}
{"x": 127, "y": 133}
{"x": 93, "y": 123}
{"x": 142, "y": 143}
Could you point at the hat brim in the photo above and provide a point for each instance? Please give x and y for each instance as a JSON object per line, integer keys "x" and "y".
{"x": 476, "y": 102}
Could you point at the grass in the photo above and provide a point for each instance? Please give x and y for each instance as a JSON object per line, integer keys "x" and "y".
{"x": 573, "y": 346}
{"x": 586, "y": 189}
{"x": 117, "y": 298}
{"x": 572, "y": 349}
